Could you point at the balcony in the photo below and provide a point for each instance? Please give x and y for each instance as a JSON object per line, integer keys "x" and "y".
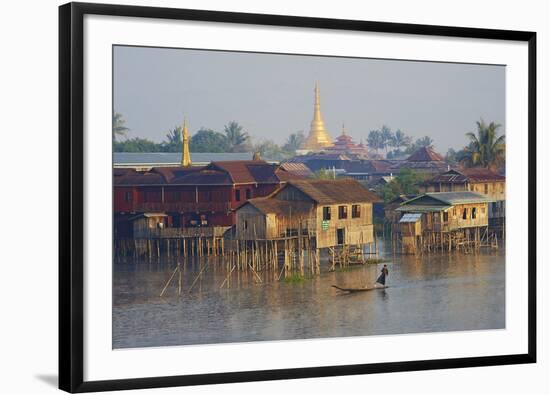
{"x": 182, "y": 207}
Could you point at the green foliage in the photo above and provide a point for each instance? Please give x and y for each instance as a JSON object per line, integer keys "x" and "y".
{"x": 207, "y": 140}
{"x": 323, "y": 174}
{"x": 136, "y": 145}
{"x": 385, "y": 138}
{"x": 296, "y": 278}
{"x": 425, "y": 141}
{"x": 269, "y": 150}
{"x": 375, "y": 140}
{"x": 238, "y": 140}
{"x": 294, "y": 142}
{"x": 173, "y": 142}
{"x": 486, "y": 148}
{"x": 119, "y": 128}
{"x": 407, "y": 182}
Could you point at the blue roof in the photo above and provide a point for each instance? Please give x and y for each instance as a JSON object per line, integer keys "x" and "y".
{"x": 166, "y": 158}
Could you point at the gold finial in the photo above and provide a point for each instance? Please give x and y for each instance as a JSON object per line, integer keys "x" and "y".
{"x": 185, "y": 155}
{"x": 343, "y": 129}
{"x": 257, "y": 156}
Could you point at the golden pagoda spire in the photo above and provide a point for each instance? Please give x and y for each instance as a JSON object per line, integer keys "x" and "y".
{"x": 343, "y": 129}
{"x": 318, "y": 137}
{"x": 185, "y": 155}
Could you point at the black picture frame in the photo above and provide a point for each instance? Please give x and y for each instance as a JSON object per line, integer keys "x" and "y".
{"x": 71, "y": 203}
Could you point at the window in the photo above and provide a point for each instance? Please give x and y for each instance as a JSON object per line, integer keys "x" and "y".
{"x": 465, "y": 213}
{"x": 127, "y": 197}
{"x": 454, "y": 211}
{"x": 206, "y": 196}
{"x": 248, "y": 194}
{"x": 342, "y": 212}
{"x": 445, "y": 216}
{"x": 355, "y": 211}
{"x": 245, "y": 224}
{"x": 326, "y": 213}
{"x": 238, "y": 195}
{"x": 176, "y": 196}
{"x": 486, "y": 188}
{"x": 483, "y": 210}
{"x": 474, "y": 213}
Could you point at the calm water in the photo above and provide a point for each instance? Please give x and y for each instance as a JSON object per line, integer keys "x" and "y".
{"x": 427, "y": 294}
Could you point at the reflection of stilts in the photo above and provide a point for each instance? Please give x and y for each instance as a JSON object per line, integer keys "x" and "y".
{"x": 176, "y": 270}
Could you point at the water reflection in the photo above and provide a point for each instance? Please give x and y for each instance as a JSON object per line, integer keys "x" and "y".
{"x": 438, "y": 292}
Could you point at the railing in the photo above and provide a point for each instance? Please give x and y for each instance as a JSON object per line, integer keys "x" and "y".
{"x": 182, "y": 207}
{"x": 173, "y": 233}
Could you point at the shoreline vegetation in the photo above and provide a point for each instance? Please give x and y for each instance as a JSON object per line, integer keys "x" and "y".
{"x": 483, "y": 148}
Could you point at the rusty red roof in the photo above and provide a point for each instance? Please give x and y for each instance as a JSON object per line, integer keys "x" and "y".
{"x": 297, "y": 169}
{"x": 268, "y": 205}
{"x": 217, "y": 173}
{"x": 334, "y": 191}
{"x": 425, "y": 154}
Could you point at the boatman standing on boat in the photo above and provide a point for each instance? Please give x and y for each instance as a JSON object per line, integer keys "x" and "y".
{"x": 381, "y": 280}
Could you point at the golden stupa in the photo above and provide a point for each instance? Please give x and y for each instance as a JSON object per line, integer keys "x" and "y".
{"x": 318, "y": 137}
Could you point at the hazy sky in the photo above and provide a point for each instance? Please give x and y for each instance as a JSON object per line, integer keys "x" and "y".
{"x": 272, "y": 95}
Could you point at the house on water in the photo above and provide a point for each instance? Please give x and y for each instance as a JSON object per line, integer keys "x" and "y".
{"x": 479, "y": 180}
{"x": 330, "y": 212}
{"x": 443, "y": 221}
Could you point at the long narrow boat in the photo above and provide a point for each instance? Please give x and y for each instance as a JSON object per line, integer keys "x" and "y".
{"x": 359, "y": 289}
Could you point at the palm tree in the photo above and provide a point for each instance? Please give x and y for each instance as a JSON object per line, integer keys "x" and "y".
{"x": 294, "y": 141}
{"x": 387, "y": 137}
{"x": 375, "y": 140}
{"x": 425, "y": 141}
{"x": 118, "y": 125}
{"x": 400, "y": 139}
{"x": 486, "y": 149}
{"x": 237, "y": 139}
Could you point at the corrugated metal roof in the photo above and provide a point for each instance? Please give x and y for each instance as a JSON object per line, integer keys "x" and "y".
{"x": 297, "y": 168}
{"x": 470, "y": 175}
{"x": 411, "y": 217}
{"x": 443, "y": 199}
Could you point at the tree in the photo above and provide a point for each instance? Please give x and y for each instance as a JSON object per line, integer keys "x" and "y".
{"x": 486, "y": 149}
{"x": 294, "y": 142}
{"x": 400, "y": 139}
{"x": 136, "y": 145}
{"x": 238, "y": 140}
{"x": 269, "y": 150}
{"x": 119, "y": 128}
{"x": 173, "y": 141}
{"x": 405, "y": 183}
{"x": 375, "y": 140}
{"x": 207, "y": 140}
{"x": 387, "y": 137}
{"x": 323, "y": 174}
{"x": 425, "y": 141}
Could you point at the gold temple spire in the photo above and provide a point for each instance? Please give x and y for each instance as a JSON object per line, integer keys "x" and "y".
{"x": 185, "y": 155}
{"x": 318, "y": 137}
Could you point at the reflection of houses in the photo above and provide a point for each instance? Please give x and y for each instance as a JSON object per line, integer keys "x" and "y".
{"x": 193, "y": 196}
{"x": 443, "y": 220}
{"x": 424, "y": 160}
{"x": 332, "y": 212}
{"x": 483, "y": 181}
